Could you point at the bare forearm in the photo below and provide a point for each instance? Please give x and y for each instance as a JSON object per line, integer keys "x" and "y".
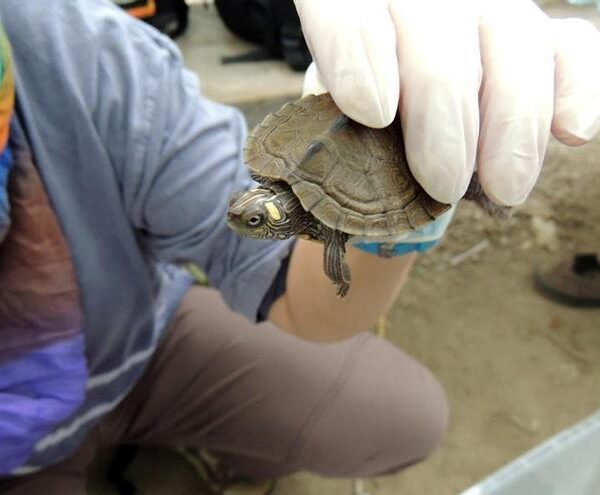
{"x": 310, "y": 307}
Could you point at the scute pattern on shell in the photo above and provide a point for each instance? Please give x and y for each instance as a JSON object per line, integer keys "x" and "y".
{"x": 350, "y": 177}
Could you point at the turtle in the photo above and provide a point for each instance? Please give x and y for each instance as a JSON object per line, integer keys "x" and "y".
{"x": 323, "y": 176}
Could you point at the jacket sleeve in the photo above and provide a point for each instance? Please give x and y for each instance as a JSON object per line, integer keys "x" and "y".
{"x": 178, "y": 158}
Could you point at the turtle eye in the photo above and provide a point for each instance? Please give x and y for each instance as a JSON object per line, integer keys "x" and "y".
{"x": 255, "y": 220}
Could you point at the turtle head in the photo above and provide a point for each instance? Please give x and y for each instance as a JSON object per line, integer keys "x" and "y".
{"x": 259, "y": 213}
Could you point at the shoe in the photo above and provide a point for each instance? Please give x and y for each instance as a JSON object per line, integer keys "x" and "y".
{"x": 574, "y": 281}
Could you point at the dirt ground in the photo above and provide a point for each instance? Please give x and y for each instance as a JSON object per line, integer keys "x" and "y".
{"x": 517, "y": 368}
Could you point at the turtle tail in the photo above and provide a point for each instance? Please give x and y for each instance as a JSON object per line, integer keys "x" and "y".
{"x": 475, "y": 193}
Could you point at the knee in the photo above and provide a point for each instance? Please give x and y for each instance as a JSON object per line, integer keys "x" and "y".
{"x": 379, "y": 431}
{"x": 412, "y": 425}
{"x": 388, "y": 413}
{"x": 430, "y": 419}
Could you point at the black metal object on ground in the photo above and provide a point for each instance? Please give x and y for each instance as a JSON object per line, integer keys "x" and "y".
{"x": 273, "y": 24}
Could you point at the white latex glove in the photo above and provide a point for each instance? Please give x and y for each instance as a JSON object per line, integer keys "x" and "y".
{"x": 478, "y": 83}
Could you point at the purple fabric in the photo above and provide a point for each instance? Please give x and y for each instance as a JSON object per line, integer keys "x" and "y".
{"x": 37, "y": 391}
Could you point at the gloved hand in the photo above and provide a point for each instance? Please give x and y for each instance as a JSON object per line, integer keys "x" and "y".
{"x": 479, "y": 83}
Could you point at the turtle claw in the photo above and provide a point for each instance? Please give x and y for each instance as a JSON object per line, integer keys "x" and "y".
{"x": 342, "y": 289}
{"x": 335, "y": 265}
{"x": 343, "y": 285}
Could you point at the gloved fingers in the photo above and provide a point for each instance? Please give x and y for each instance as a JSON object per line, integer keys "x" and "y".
{"x": 313, "y": 81}
{"x": 516, "y": 101}
{"x": 440, "y": 74}
{"x": 577, "y": 96}
{"x": 353, "y": 43}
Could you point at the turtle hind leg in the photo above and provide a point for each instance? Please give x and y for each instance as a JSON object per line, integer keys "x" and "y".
{"x": 334, "y": 262}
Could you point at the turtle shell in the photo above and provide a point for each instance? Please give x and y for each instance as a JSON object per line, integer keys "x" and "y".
{"x": 351, "y": 177}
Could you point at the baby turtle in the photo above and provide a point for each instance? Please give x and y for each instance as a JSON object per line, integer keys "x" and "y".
{"x": 326, "y": 177}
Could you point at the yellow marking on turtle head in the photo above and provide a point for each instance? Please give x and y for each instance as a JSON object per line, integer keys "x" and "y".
{"x": 274, "y": 213}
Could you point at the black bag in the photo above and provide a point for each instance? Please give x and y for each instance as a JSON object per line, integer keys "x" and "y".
{"x": 274, "y": 24}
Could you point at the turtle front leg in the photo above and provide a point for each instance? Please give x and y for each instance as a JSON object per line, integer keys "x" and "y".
{"x": 334, "y": 264}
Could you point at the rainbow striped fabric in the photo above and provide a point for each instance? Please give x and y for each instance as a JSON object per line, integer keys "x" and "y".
{"x": 7, "y": 100}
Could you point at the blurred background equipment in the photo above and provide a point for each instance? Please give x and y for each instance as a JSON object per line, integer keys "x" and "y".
{"x": 272, "y": 24}
{"x": 567, "y": 463}
{"x": 168, "y": 16}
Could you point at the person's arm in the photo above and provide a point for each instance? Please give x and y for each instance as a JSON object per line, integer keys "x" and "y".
{"x": 310, "y": 309}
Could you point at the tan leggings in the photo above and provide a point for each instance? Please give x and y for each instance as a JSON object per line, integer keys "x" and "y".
{"x": 267, "y": 403}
